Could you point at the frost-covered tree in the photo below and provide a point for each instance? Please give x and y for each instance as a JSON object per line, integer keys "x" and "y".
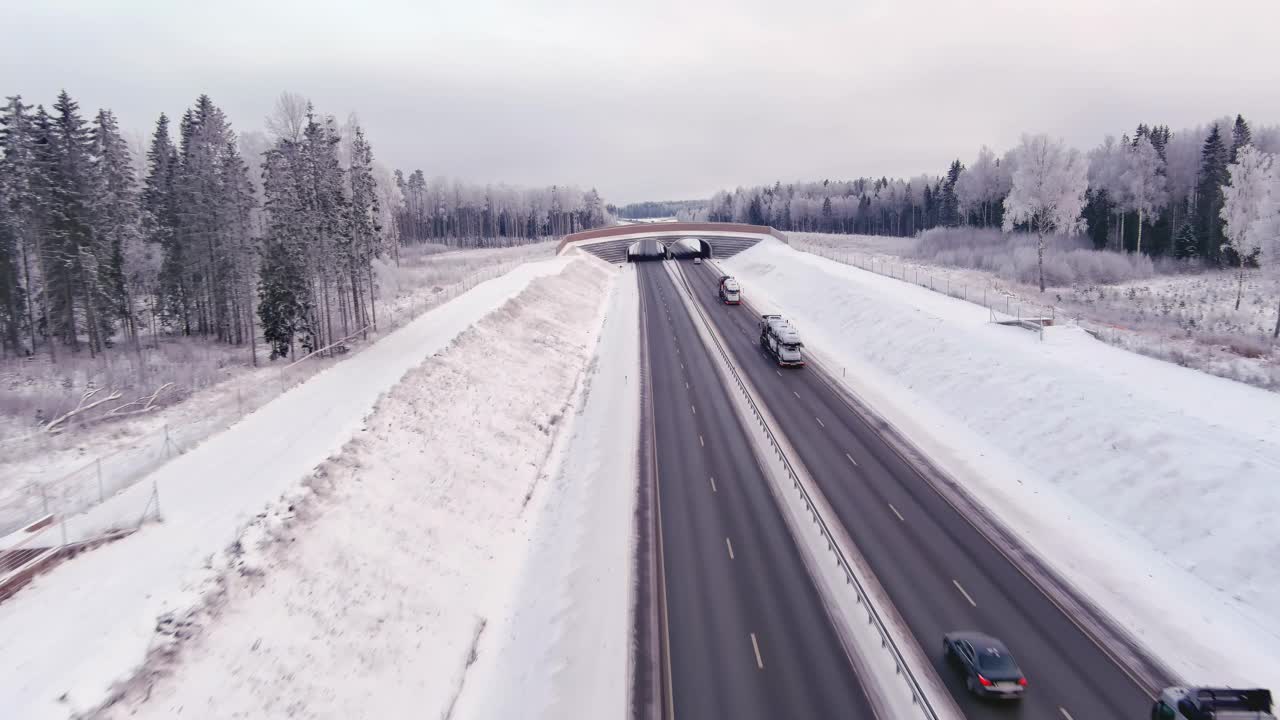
{"x": 982, "y": 186}
{"x": 20, "y": 229}
{"x": 1246, "y": 201}
{"x": 1049, "y": 184}
{"x": 1143, "y": 181}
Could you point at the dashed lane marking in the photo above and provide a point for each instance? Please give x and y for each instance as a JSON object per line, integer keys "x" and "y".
{"x": 713, "y": 485}
{"x": 700, "y": 442}
{"x": 756, "y": 646}
{"x": 895, "y": 512}
{"x": 820, "y": 422}
{"x": 730, "y": 546}
{"x": 855, "y": 462}
{"x": 965, "y": 594}
{"x": 793, "y": 392}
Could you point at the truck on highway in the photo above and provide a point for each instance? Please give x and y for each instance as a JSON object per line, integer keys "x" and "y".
{"x": 730, "y": 290}
{"x": 1202, "y": 703}
{"x": 780, "y": 339}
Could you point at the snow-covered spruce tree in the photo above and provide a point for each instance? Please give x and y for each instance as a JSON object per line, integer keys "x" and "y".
{"x": 1240, "y": 136}
{"x": 115, "y": 221}
{"x": 1213, "y": 175}
{"x": 366, "y": 229}
{"x": 170, "y": 297}
{"x": 65, "y": 184}
{"x": 18, "y": 225}
{"x": 283, "y": 292}
{"x": 241, "y": 245}
{"x": 1245, "y": 201}
{"x": 1049, "y": 183}
{"x": 1144, "y": 181}
{"x": 1187, "y": 243}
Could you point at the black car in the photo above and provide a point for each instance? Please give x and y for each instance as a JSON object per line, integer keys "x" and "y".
{"x": 989, "y": 668}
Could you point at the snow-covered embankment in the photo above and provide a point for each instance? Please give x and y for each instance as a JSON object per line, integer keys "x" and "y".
{"x": 1150, "y": 486}
{"x": 362, "y": 594}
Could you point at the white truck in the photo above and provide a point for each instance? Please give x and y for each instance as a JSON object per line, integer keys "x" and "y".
{"x": 780, "y": 339}
{"x": 730, "y": 291}
{"x": 1202, "y": 703}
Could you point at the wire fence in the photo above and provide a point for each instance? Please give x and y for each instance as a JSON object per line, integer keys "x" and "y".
{"x": 1004, "y": 306}
{"x": 902, "y": 669}
{"x": 69, "y": 493}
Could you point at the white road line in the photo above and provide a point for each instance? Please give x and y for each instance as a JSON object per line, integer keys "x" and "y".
{"x": 756, "y": 646}
{"x": 713, "y": 485}
{"x": 681, "y": 366}
{"x": 694, "y": 408}
{"x": 700, "y": 442}
{"x": 820, "y": 422}
{"x": 895, "y": 512}
{"x": 793, "y": 392}
{"x": 855, "y": 462}
{"x": 779, "y": 372}
{"x": 730, "y": 546}
{"x": 965, "y": 594}
{"x": 686, "y": 386}
{"x": 1065, "y": 714}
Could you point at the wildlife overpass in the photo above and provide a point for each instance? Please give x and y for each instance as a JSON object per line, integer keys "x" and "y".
{"x": 720, "y": 240}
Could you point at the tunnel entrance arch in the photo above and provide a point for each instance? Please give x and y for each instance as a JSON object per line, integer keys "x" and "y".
{"x": 619, "y": 244}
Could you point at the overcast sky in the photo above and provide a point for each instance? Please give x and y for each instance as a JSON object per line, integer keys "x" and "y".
{"x": 663, "y": 99}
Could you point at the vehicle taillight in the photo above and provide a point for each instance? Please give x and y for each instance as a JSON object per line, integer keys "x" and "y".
{"x": 985, "y": 682}
{"x": 1022, "y": 681}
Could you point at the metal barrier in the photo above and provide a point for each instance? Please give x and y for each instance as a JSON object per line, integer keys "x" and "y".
{"x": 918, "y": 697}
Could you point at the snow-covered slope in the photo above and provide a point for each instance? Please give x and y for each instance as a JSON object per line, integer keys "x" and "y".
{"x": 563, "y": 647}
{"x": 74, "y": 631}
{"x": 366, "y": 599}
{"x": 1152, "y": 486}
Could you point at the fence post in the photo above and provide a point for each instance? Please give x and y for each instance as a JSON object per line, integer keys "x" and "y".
{"x": 166, "y": 440}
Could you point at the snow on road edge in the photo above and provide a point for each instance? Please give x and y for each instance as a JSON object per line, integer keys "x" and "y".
{"x": 443, "y": 503}
{"x": 562, "y": 650}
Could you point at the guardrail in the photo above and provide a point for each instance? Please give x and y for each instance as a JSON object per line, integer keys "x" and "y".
{"x": 918, "y": 697}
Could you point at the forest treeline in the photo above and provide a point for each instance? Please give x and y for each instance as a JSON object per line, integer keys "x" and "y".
{"x": 232, "y": 237}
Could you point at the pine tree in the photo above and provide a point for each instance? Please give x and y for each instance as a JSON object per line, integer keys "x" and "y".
{"x": 1213, "y": 175}
{"x": 115, "y": 219}
{"x": 1240, "y": 136}
{"x": 71, "y": 266}
{"x": 19, "y": 223}
{"x": 160, "y": 226}
{"x": 1187, "y": 242}
{"x": 950, "y": 210}
{"x": 366, "y": 229}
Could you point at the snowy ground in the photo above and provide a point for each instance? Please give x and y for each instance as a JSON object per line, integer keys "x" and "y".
{"x": 1151, "y": 486}
{"x": 387, "y": 576}
{"x": 214, "y": 387}
{"x": 563, "y": 647}
{"x": 74, "y": 631}
{"x": 1187, "y": 318}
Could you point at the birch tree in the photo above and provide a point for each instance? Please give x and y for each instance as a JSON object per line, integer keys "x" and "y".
{"x": 1048, "y": 193}
{"x": 1246, "y": 202}
{"x": 1143, "y": 182}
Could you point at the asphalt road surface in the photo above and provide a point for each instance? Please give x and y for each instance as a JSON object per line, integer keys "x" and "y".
{"x": 939, "y": 571}
{"x": 748, "y": 635}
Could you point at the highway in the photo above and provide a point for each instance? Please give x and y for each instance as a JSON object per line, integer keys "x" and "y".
{"x": 746, "y": 633}
{"x": 939, "y": 571}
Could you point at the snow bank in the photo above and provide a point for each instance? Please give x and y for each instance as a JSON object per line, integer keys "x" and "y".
{"x": 563, "y": 648}
{"x": 367, "y": 600}
{"x": 74, "y": 631}
{"x": 1153, "y": 487}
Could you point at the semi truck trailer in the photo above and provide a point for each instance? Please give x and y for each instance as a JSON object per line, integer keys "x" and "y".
{"x": 781, "y": 340}
{"x": 730, "y": 290}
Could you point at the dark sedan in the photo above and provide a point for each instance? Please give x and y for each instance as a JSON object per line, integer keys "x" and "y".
{"x": 990, "y": 670}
